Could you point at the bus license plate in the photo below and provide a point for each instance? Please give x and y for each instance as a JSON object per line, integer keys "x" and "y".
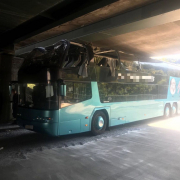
{"x": 28, "y": 127}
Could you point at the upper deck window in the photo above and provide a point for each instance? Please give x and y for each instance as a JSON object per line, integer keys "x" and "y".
{"x": 116, "y": 92}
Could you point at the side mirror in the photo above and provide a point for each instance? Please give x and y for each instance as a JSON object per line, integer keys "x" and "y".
{"x": 62, "y": 90}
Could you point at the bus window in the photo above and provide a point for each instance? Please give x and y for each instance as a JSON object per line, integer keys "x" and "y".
{"x": 151, "y": 92}
{"x": 115, "y": 92}
{"x": 38, "y": 96}
{"x": 76, "y": 92}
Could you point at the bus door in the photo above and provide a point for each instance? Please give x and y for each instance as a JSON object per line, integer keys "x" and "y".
{"x": 75, "y": 107}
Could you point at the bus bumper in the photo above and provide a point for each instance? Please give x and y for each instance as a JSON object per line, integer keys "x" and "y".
{"x": 41, "y": 127}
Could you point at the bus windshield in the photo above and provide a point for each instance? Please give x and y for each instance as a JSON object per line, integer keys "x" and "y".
{"x": 38, "y": 95}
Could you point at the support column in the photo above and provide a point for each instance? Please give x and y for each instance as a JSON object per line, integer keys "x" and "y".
{"x": 5, "y": 78}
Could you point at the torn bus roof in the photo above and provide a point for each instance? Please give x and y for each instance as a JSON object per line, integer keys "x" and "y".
{"x": 63, "y": 54}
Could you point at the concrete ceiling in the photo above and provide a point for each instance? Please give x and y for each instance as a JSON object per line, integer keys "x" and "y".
{"x": 20, "y": 19}
{"x": 155, "y": 41}
{"x": 16, "y": 12}
{"x": 113, "y": 9}
{"x": 151, "y": 29}
{"x": 143, "y": 27}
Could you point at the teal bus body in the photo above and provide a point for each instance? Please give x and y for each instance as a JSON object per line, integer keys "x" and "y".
{"x": 70, "y": 88}
{"x": 77, "y": 118}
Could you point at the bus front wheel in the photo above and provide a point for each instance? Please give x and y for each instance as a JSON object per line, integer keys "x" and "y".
{"x": 167, "y": 111}
{"x": 99, "y": 123}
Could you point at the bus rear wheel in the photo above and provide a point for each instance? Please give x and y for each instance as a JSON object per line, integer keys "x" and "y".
{"x": 99, "y": 123}
{"x": 174, "y": 109}
{"x": 167, "y": 111}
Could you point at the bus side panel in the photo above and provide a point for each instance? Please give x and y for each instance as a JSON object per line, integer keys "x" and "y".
{"x": 69, "y": 127}
{"x": 125, "y": 112}
{"x": 178, "y": 103}
{"x": 75, "y": 118}
{"x": 145, "y": 110}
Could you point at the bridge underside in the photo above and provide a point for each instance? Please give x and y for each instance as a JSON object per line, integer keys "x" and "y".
{"x": 150, "y": 30}
{"x": 144, "y": 28}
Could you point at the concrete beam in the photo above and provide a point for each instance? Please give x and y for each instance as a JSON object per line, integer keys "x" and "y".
{"x": 59, "y": 13}
{"x": 157, "y": 13}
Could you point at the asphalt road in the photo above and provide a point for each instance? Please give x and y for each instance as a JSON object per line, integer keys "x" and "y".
{"x": 147, "y": 149}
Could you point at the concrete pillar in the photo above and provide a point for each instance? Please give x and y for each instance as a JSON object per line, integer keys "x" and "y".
{"x": 5, "y": 78}
{"x": 16, "y": 64}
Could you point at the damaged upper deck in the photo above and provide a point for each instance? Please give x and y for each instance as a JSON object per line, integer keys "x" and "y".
{"x": 82, "y": 62}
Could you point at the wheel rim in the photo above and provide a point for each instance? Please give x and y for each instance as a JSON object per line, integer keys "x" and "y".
{"x": 167, "y": 111}
{"x": 174, "y": 110}
{"x": 99, "y": 122}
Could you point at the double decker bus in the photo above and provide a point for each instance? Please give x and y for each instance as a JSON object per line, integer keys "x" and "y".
{"x": 71, "y": 88}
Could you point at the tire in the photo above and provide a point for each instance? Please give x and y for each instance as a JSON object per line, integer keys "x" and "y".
{"x": 99, "y": 123}
{"x": 167, "y": 111}
{"x": 174, "y": 109}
